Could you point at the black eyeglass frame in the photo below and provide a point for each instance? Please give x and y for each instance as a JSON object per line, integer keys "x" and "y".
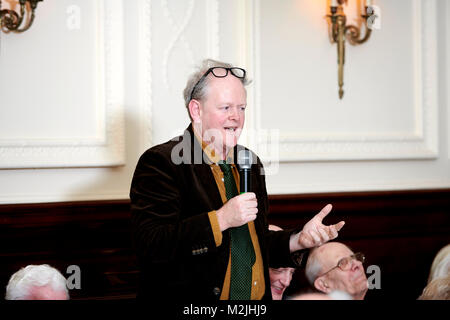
{"x": 359, "y": 256}
{"x": 211, "y": 70}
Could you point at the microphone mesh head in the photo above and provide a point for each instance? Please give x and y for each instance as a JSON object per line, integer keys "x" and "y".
{"x": 244, "y": 159}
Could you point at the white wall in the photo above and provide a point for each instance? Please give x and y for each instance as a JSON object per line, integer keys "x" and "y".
{"x": 94, "y": 83}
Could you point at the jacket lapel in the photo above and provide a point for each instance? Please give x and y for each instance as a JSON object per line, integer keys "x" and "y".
{"x": 203, "y": 172}
{"x": 206, "y": 179}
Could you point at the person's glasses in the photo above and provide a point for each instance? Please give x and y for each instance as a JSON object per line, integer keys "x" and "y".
{"x": 220, "y": 72}
{"x": 345, "y": 263}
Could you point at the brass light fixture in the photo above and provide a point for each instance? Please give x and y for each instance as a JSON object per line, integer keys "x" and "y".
{"x": 339, "y": 31}
{"x": 10, "y": 20}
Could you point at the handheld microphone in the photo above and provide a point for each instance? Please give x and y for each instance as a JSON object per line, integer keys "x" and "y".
{"x": 244, "y": 160}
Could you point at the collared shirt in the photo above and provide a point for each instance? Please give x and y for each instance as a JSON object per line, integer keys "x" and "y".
{"x": 258, "y": 284}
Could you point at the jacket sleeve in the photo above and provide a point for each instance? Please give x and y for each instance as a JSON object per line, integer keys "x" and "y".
{"x": 278, "y": 251}
{"x": 163, "y": 229}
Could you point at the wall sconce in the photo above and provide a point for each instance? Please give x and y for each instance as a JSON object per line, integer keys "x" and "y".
{"x": 10, "y": 20}
{"x": 339, "y": 30}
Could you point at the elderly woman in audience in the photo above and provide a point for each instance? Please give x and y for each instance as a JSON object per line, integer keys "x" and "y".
{"x": 333, "y": 266}
{"x": 37, "y": 282}
{"x": 441, "y": 264}
{"x": 438, "y": 286}
{"x": 437, "y": 289}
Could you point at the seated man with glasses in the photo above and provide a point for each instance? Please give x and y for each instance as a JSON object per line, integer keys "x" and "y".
{"x": 195, "y": 235}
{"x": 333, "y": 266}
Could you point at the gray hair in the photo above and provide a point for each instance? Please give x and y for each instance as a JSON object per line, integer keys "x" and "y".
{"x": 202, "y": 86}
{"x": 440, "y": 267}
{"x": 313, "y": 267}
{"x": 339, "y": 295}
{"x": 21, "y": 282}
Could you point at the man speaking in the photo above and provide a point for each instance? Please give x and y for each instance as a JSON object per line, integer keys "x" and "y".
{"x": 196, "y": 237}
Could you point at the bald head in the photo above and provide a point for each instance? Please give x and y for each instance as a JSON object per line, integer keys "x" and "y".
{"x": 326, "y": 253}
{"x": 322, "y": 271}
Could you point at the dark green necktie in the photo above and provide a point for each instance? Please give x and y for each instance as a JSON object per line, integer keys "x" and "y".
{"x": 242, "y": 252}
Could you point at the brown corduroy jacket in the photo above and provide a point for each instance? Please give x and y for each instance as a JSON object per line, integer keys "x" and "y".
{"x": 172, "y": 191}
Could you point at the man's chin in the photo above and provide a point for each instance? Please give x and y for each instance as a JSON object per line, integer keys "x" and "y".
{"x": 360, "y": 277}
{"x": 231, "y": 140}
{"x": 230, "y": 143}
{"x": 362, "y": 288}
{"x": 232, "y": 137}
{"x": 276, "y": 296}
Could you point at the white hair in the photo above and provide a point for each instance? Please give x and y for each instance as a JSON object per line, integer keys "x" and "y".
{"x": 313, "y": 265}
{"x": 437, "y": 289}
{"x": 23, "y": 281}
{"x": 441, "y": 264}
{"x": 339, "y": 295}
{"x": 312, "y": 268}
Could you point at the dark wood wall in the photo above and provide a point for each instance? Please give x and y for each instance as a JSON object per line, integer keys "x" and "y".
{"x": 399, "y": 231}
{"x": 94, "y": 235}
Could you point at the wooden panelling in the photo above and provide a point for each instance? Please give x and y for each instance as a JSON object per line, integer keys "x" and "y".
{"x": 93, "y": 235}
{"x": 399, "y": 231}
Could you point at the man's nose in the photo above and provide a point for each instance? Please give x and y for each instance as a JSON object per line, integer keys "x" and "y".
{"x": 233, "y": 113}
{"x": 356, "y": 264}
{"x": 286, "y": 278}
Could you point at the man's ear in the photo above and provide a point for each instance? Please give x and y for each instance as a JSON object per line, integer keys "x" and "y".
{"x": 321, "y": 285}
{"x": 195, "y": 110}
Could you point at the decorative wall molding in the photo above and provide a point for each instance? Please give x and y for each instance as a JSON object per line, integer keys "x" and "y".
{"x": 106, "y": 149}
{"x": 447, "y": 78}
{"x": 176, "y": 29}
{"x": 179, "y": 28}
{"x": 421, "y": 143}
{"x": 145, "y": 71}
{"x": 211, "y": 30}
{"x": 248, "y": 57}
{"x": 314, "y": 187}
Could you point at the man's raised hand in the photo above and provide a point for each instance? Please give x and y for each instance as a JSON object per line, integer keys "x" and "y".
{"x": 315, "y": 233}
